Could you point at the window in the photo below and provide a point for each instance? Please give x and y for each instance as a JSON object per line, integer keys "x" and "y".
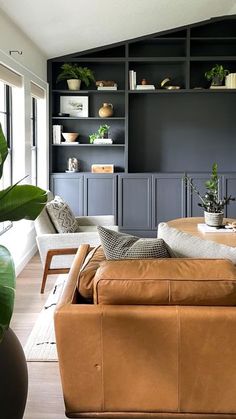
{"x": 34, "y": 137}
{"x": 6, "y": 122}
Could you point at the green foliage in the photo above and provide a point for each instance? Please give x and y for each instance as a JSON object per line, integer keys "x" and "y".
{"x": 211, "y": 201}
{"x": 102, "y": 130}
{"x": 73, "y": 71}
{"x": 216, "y": 71}
{"x": 16, "y": 202}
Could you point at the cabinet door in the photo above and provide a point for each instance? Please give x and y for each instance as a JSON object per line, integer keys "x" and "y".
{"x": 134, "y": 201}
{"x": 70, "y": 187}
{"x": 168, "y": 197}
{"x": 100, "y": 192}
{"x": 229, "y": 188}
{"x": 193, "y": 209}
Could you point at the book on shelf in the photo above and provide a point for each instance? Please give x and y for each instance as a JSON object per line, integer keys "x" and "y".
{"x": 132, "y": 79}
{"x": 107, "y": 87}
{"x": 145, "y": 87}
{"x": 204, "y": 228}
{"x": 56, "y": 134}
{"x": 103, "y": 141}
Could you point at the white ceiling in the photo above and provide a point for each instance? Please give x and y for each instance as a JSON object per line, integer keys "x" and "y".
{"x": 62, "y": 27}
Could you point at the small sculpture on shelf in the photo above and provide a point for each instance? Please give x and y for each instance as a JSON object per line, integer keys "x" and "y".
{"x": 106, "y": 111}
{"x": 101, "y": 136}
{"x": 106, "y": 85}
{"x": 72, "y": 165}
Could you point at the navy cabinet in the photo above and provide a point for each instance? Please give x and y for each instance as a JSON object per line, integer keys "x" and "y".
{"x": 229, "y": 188}
{"x": 100, "y": 194}
{"x": 135, "y": 202}
{"x": 168, "y": 197}
{"x": 70, "y": 186}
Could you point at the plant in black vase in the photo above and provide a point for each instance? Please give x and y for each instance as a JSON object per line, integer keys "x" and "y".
{"x": 16, "y": 202}
{"x": 211, "y": 203}
{"x": 216, "y": 75}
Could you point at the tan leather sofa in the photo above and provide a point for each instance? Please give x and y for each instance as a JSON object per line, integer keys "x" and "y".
{"x": 158, "y": 341}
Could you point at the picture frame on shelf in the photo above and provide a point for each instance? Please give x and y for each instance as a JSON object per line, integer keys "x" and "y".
{"x": 76, "y": 106}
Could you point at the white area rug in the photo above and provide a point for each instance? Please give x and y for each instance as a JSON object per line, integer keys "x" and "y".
{"x": 41, "y": 344}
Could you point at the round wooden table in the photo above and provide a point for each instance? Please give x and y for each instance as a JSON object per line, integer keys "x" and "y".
{"x": 189, "y": 225}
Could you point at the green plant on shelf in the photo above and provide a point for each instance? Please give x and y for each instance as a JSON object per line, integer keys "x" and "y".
{"x": 73, "y": 71}
{"x": 216, "y": 74}
{"x": 102, "y": 132}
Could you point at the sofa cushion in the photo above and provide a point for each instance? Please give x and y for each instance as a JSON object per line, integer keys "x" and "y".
{"x": 88, "y": 270}
{"x": 61, "y": 216}
{"x": 182, "y": 244}
{"x": 118, "y": 245}
{"x": 166, "y": 282}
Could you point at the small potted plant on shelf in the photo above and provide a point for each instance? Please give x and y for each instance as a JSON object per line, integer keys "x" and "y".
{"x": 101, "y": 136}
{"x": 75, "y": 75}
{"x": 216, "y": 75}
{"x": 211, "y": 203}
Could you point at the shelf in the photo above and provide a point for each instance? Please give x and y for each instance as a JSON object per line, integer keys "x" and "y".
{"x": 89, "y": 118}
{"x": 216, "y": 58}
{"x": 82, "y": 92}
{"x": 91, "y": 60}
{"x": 181, "y": 91}
{"x": 157, "y": 59}
{"x": 88, "y": 145}
{"x": 213, "y": 38}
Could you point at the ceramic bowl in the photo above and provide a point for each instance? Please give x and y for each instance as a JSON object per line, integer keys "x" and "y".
{"x": 70, "y": 136}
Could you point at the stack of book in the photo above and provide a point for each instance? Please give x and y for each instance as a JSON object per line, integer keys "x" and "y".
{"x": 56, "y": 134}
{"x": 145, "y": 87}
{"x": 103, "y": 141}
{"x": 107, "y": 87}
{"x": 132, "y": 80}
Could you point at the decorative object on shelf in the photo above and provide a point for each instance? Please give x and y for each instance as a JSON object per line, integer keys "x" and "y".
{"x": 165, "y": 84}
{"x": 230, "y": 81}
{"x": 72, "y": 165}
{"x": 75, "y": 105}
{"x": 132, "y": 79}
{"x": 216, "y": 75}
{"x": 75, "y": 75}
{"x": 102, "y": 168}
{"x": 106, "y": 111}
{"x": 211, "y": 202}
{"x": 56, "y": 134}
{"x": 106, "y": 85}
{"x": 70, "y": 137}
{"x": 144, "y": 82}
{"x": 17, "y": 202}
{"x": 102, "y": 133}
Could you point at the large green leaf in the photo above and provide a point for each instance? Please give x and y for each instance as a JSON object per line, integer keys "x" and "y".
{"x": 7, "y": 288}
{"x": 21, "y": 201}
{"x": 3, "y": 150}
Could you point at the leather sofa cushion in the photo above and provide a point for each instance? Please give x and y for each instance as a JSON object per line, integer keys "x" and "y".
{"x": 166, "y": 282}
{"x": 88, "y": 270}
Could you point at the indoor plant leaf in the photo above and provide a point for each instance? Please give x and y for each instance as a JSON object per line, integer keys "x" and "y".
{"x": 21, "y": 201}
{"x": 3, "y": 150}
{"x": 7, "y": 288}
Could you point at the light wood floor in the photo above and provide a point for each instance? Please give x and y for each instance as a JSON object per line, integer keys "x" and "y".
{"x": 45, "y": 399}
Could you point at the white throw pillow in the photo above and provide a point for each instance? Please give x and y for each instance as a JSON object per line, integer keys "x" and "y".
{"x": 185, "y": 245}
{"x": 61, "y": 216}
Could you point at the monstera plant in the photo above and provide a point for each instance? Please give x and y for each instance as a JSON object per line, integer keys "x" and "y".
{"x": 16, "y": 202}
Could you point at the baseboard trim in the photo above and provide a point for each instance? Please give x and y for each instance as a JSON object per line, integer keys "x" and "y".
{"x": 25, "y": 259}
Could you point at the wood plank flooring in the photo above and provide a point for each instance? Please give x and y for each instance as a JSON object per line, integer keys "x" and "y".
{"x": 45, "y": 400}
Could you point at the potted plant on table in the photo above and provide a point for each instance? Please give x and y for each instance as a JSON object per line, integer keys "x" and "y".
{"x": 216, "y": 75}
{"x": 16, "y": 202}
{"x": 75, "y": 75}
{"x": 211, "y": 203}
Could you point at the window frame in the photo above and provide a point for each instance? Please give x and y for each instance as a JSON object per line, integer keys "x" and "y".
{"x": 34, "y": 136}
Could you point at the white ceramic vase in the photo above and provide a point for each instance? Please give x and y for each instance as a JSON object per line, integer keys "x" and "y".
{"x": 214, "y": 219}
{"x": 74, "y": 84}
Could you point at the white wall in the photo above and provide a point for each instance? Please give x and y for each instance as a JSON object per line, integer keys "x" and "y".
{"x": 20, "y": 239}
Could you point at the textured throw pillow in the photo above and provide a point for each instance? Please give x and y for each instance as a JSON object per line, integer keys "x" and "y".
{"x": 61, "y": 216}
{"x": 124, "y": 246}
{"x": 184, "y": 245}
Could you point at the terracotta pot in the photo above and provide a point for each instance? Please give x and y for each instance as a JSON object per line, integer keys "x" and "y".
{"x": 74, "y": 84}
{"x": 13, "y": 377}
{"x": 106, "y": 111}
{"x": 213, "y": 219}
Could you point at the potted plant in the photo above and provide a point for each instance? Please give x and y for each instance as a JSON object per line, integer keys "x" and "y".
{"x": 75, "y": 75}
{"x": 216, "y": 75}
{"x": 211, "y": 203}
{"x": 16, "y": 202}
{"x": 102, "y": 132}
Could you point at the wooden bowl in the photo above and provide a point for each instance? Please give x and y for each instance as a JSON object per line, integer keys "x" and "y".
{"x": 70, "y": 137}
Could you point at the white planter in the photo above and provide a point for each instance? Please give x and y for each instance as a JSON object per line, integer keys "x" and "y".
{"x": 213, "y": 219}
{"x": 74, "y": 84}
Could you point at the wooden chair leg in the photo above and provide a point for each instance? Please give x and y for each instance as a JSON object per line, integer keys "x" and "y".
{"x": 46, "y": 270}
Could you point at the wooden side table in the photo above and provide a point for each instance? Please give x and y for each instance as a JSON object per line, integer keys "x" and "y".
{"x": 189, "y": 225}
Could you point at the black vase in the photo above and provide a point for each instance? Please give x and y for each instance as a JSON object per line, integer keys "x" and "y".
{"x": 13, "y": 377}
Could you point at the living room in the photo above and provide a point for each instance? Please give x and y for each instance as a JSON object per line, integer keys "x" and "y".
{"x": 146, "y": 136}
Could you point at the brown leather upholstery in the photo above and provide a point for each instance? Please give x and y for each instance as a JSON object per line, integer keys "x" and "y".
{"x": 144, "y": 361}
{"x": 89, "y": 268}
{"x": 164, "y": 281}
